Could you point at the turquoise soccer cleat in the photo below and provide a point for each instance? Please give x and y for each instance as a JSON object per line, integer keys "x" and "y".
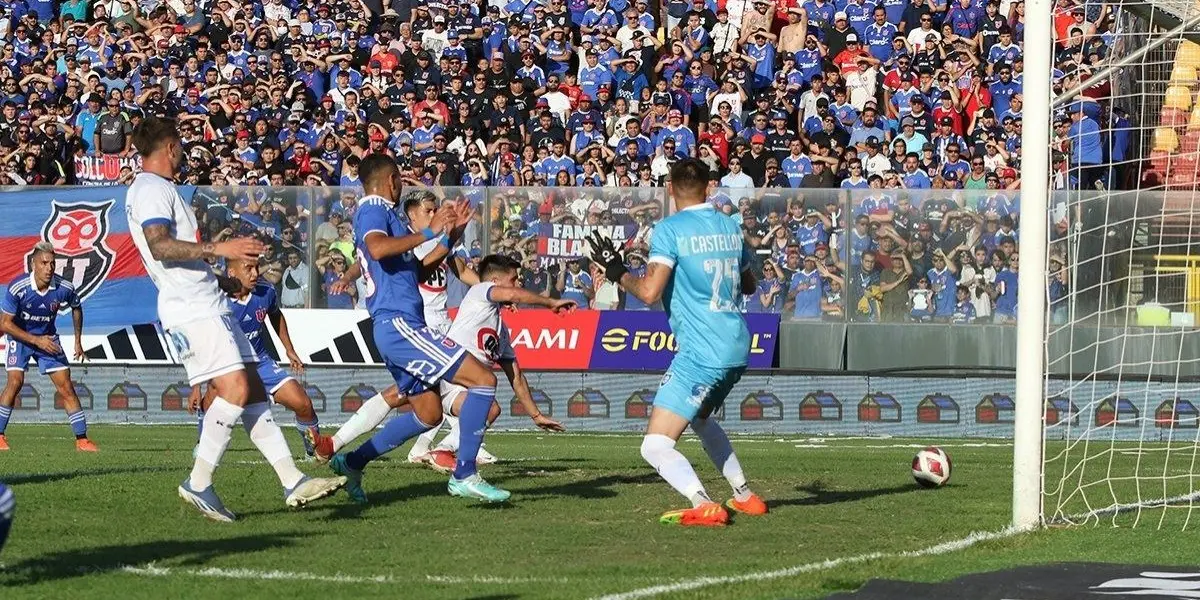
{"x": 475, "y": 487}
{"x": 353, "y": 477}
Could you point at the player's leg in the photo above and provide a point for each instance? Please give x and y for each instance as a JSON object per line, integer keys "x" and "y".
{"x": 682, "y": 393}
{"x": 473, "y": 414}
{"x": 720, "y": 451}
{"x": 8, "y": 398}
{"x": 16, "y": 361}
{"x": 443, "y": 457}
{"x": 400, "y": 429}
{"x": 61, "y": 378}
{"x": 288, "y": 392}
{"x": 366, "y": 418}
{"x": 419, "y": 451}
{"x": 8, "y": 505}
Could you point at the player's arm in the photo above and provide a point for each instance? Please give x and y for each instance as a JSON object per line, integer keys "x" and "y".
{"x": 279, "y": 322}
{"x": 521, "y": 296}
{"x": 77, "y": 325}
{"x": 648, "y": 289}
{"x": 42, "y": 342}
{"x": 164, "y": 247}
{"x": 520, "y": 387}
{"x": 463, "y": 271}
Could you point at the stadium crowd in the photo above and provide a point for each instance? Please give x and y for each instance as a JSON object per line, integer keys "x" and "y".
{"x": 905, "y": 104}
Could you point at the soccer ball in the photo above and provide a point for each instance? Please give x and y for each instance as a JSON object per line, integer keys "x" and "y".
{"x": 931, "y": 467}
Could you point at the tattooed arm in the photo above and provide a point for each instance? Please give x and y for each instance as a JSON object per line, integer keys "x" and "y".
{"x": 164, "y": 247}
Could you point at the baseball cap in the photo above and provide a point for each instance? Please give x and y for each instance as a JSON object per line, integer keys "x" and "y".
{"x": 852, "y": 38}
{"x": 243, "y": 135}
{"x": 377, "y": 136}
{"x": 758, "y": 138}
{"x": 452, "y": 35}
{"x": 839, "y": 16}
{"x": 674, "y": 114}
{"x": 439, "y": 19}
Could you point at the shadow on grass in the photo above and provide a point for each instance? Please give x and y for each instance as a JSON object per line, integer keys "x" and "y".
{"x": 818, "y": 495}
{"x": 79, "y": 562}
{"x": 35, "y": 478}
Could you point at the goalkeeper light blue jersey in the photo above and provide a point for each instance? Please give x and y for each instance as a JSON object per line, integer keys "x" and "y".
{"x": 703, "y": 297}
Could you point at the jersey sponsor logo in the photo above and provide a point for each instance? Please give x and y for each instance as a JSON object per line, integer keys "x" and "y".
{"x": 489, "y": 342}
{"x": 79, "y": 233}
{"x": 436, "y": 281}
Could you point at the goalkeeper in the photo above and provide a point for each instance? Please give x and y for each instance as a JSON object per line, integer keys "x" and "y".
{"x": 700, "y": 269}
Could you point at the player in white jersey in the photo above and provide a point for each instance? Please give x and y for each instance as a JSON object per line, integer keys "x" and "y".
{"x": 478, "y": 328}
{"x": 418, "y": 209}
{"x": 195, "y": 316}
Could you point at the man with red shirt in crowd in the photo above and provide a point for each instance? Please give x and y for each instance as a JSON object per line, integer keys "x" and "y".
{"x": 431, "y": 103}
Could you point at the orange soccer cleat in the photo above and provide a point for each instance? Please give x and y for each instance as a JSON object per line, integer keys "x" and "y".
{"x": 750, "y": 506}
{"x": 709, "y": 514}
{"x": 3, "y": 442}
{"x": 85, "y": 445}
{"x": 322, "y": 445}
{"x": 441, "y": 461}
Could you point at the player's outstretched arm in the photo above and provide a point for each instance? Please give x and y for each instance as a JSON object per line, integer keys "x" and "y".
{"x": 281, "y": 327}
{"x": 648, "y": 289}
{"x": 520, "y": 296}
{"x": 520, "y": 387}
{"x": 164, "y": 247}
{"x": 463, "y": 271}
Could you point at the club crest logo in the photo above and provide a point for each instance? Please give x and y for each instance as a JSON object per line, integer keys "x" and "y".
{"x": 79, "y": 233}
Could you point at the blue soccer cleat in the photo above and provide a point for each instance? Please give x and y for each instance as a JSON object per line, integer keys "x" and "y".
{"x": 353, "y": 478}
{"x": 206, "y": 501}
{"x": 8, "y": 504}
{"x": 475, "y": 487}
{"x": 311, "y": 489}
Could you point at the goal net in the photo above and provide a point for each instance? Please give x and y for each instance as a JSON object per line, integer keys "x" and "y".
{"x": 1119, "y": 385}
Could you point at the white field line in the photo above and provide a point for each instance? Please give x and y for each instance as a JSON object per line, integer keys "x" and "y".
{"x": 152, "y": 570}
{"x": 825, "y": 565}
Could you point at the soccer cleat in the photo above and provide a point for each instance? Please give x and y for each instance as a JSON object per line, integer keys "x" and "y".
{"x": 206, "y": 501}
{"x": 475, "y": 487}
{"x": 322, "y": 446}
{"x": 415, "y": 458}
{"x": 441, "y": 461}
{"x": 709, "y": 514}
{"x": 751, "y": 506}
{"x": 311, "y": 489}
{"x": 353, "y": 483}
{"x": 3, "y": 442}
{"x": 484, "y": 457}
{"x": 85, "y": 445}
{"x": 309, "y": 435}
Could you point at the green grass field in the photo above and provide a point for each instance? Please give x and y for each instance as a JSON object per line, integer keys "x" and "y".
{"x": 582, "y": 524}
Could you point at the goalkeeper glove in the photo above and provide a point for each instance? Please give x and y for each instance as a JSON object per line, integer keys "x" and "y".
{"x": 605, "y": 252}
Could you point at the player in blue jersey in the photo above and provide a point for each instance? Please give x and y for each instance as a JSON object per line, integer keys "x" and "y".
{"x": 418, "y": 357}
{"x": 30, "y": 306}
{"x": 251, "y": 305}
{"x": 700, "y": 269}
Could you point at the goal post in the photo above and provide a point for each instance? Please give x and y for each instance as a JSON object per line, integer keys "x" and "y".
{"x": 1034, "y": 232}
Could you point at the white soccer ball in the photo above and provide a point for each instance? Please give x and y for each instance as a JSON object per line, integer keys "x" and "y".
{"x": 931, "y": 467}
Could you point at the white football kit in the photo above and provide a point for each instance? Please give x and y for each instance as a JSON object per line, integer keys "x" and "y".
{"x": 433, "y": 289}
{"x": 191, "y": 306}
{"x": 478, "y": 328}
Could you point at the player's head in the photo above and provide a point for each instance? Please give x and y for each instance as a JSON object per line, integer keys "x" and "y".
{"x": 380, "y": 176}
{"x": 689, "y": 182}
{"x": 244, "y": 271}
{"x": 420, "y": 208}
{"x": 157, "y": 141}
{"x": 500, "y": 270}
{"x": 41, "y": 264}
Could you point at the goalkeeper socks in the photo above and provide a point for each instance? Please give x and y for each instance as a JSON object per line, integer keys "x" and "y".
{"x": 269, "y": 440}
{"x": 472, "y": 422}
{"x": 720, "y": 452}
{"x": 78, "y": 424}
{"x": 396, "y": 432}
{"x": 659, "y": 450}
{"x": 219, "y": 420}
{"x": 368, "y": 417}
{"x": 5, "y": 414}
{"x": 303, "y": 426}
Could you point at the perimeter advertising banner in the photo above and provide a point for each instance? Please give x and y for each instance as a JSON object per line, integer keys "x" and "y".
{"x": 104, "y": 169}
